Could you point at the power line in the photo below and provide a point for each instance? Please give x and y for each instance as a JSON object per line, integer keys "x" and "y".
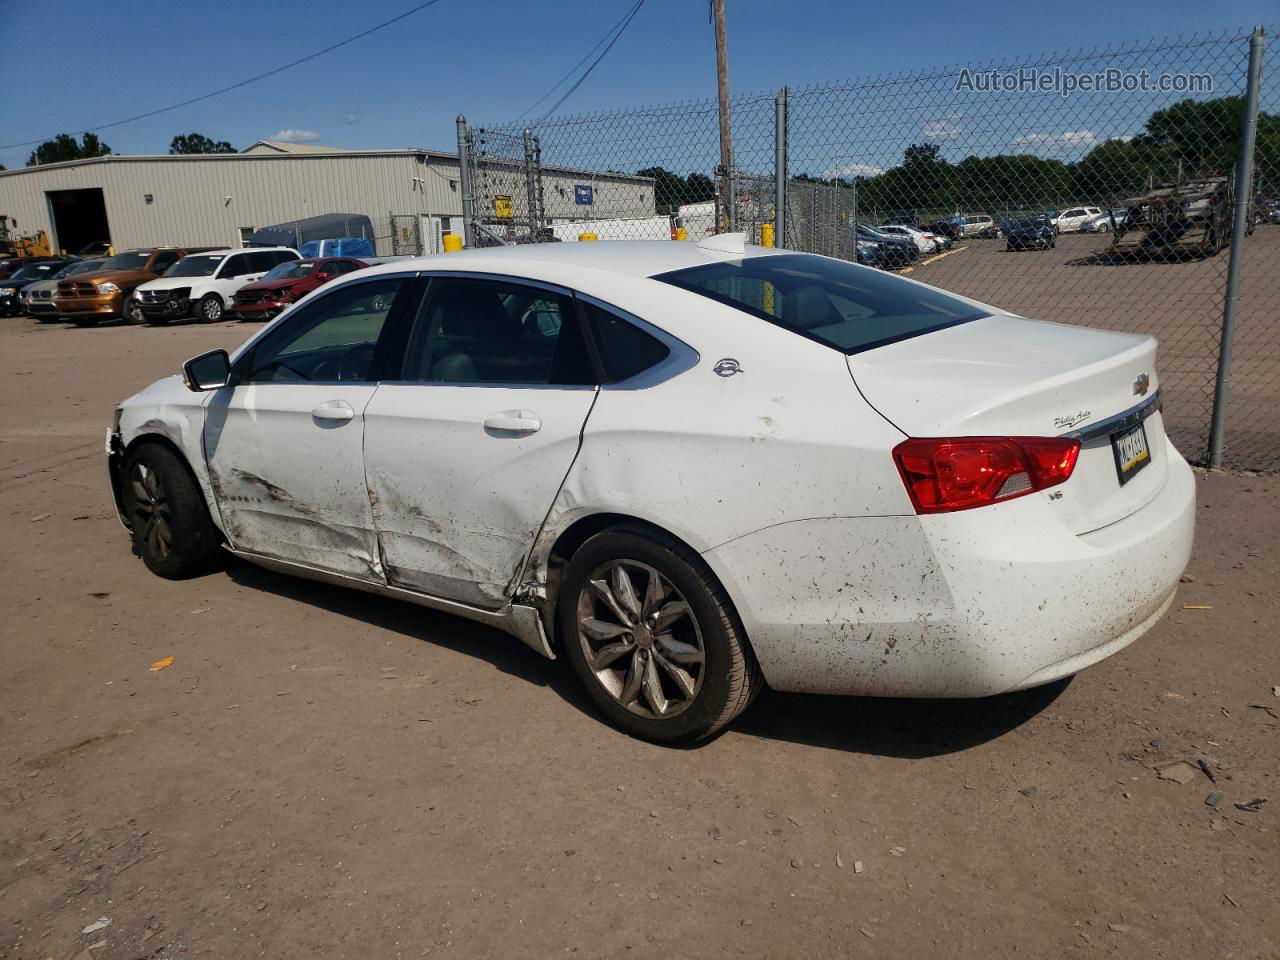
{"x": 236, "y": 86}
{"x": 574, "y": 69}
{"x": 595, "y": 63}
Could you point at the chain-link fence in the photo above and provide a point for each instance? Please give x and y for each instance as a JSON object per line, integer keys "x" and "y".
{"x": 1094, "y": 187}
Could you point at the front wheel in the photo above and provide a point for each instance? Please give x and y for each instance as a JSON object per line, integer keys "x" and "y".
{"x": 210, "y": 308}
{"x": 170, "y": 523}
{"x": 654, "y": 637}
{"x": 131, "y": 312}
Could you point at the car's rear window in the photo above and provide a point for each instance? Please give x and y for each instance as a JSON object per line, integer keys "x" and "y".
{"x": 844, "y": 306}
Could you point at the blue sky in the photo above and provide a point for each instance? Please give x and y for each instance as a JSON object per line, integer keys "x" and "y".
{"x": 85, "y": 63}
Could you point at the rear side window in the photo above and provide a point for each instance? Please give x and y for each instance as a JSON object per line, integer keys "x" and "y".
{"x": 844, "y": 306}
{"x": 480, "y": 331}
{"x": 625, "y": 349}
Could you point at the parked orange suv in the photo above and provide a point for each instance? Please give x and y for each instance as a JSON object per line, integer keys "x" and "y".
{"x": 104, "y": 293}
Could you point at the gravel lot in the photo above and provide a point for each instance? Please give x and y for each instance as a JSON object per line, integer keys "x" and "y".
{"x": 323, "y": 773}
{"x": 1180, "y": 303}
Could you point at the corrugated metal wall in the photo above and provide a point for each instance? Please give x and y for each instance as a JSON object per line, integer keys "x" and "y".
{"x": 206, "y": 200}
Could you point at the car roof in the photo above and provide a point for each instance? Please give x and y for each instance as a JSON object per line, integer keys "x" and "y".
{"x": 636, "y": 258}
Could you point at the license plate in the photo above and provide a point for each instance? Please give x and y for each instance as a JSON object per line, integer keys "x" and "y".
{"x": 1131, "y": 452}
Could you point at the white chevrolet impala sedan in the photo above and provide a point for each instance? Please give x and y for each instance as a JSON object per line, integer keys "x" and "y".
{"x": 689, "y": 470}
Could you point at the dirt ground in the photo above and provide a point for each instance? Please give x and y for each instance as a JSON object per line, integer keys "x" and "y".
{"x": 1178, "y": 302}
{"x": 320, "y": 773}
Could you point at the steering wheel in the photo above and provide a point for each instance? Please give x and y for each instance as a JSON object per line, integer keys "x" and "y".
{"x": 356, "y": 362}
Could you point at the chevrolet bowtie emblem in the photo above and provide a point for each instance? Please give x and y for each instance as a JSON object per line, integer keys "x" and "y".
{"x": 1141, "y": 385}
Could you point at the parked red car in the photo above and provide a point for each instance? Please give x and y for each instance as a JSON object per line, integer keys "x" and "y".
{"x": 263, "y": 299}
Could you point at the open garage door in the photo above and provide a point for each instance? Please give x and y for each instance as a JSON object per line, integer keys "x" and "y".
{"x": 79, "y": 219}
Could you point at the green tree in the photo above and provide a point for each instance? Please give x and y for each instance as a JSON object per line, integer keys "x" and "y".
{"x": 198, "y": 143}
{"x": 670, "y": 190}
{"x": 63, "y": 147}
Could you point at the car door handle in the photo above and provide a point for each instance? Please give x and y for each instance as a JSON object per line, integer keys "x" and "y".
{"x": 334, "y": 411}
{"x": 513, "y": 421}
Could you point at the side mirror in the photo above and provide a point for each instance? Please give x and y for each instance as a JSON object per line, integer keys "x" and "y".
{"x": 209, "y": 371}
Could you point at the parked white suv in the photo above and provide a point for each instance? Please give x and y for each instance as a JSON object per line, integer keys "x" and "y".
{"x": 202, "y": 284}
{"x": 1073, "y": 219}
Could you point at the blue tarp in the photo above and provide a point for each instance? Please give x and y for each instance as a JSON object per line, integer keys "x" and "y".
{"x": 337, "y": 247}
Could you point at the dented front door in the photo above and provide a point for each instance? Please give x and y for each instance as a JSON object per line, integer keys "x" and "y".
{"x": 287, "y": 469}
{"x": 285, "y": 445}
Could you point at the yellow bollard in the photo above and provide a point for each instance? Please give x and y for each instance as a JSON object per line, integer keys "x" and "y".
{"x": 682, "y": 233}
{"x": 766, "y": 234}
{"x": 587, "y": 237}
{"x": 452, "y": 243}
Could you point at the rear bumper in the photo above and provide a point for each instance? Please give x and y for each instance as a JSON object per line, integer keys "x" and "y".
{"x": 967, "y": 604}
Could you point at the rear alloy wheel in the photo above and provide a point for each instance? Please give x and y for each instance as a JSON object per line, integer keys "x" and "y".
{"x": 170, "y": 523}
{"x": 654, "y": 637}
{"x": 210, "y": 308}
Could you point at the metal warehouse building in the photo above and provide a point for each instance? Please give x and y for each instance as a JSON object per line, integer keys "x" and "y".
{"x": 412, "y": 196}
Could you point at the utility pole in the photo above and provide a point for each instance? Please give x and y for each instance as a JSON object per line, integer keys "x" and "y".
{"x": 726, "y": 134}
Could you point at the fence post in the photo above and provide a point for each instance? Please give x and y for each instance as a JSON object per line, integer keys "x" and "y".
{"x": 530, "y": 183}
{"x": 780, "y": 168}
{"x": 1239, "y": 223}
{"x": 464, "y": 183}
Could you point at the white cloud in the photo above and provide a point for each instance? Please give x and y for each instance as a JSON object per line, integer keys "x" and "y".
{"x": 945, "y": 129}
{"x": 854, "y": 170}
{"x": 289, "y": 135}
{"x": 351, "y": 117}
{"x": 1056, "y": 142}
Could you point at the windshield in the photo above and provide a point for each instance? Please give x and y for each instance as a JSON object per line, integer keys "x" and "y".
{"x": 290, "y": 270}
{"x": 844, "y": 306}
{"x": 1028, "y": 223}
{"x": 82, "y": 266}
{"x": 135, "y": 260}
{"x": 198, "y": 266}
{"x": 36, "y": 271}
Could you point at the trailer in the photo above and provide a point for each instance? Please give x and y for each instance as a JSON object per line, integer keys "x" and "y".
{"x": 657, "y": 227}
{"x": 1182, "y": 218}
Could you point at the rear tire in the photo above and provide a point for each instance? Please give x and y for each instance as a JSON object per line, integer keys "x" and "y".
{"x": 167, "y": 514}
{"x": 671, "y": 664}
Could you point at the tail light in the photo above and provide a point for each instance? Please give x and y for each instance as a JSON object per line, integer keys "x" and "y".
{"x": 957, "y": 473}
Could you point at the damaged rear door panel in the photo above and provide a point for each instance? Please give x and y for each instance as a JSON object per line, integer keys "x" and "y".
{"x": 465, "y": 455}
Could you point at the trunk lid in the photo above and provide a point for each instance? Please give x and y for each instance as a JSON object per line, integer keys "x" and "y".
{"x": 1008, "y": 376}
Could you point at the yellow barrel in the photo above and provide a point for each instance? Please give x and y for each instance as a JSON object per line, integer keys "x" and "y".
{"x": 682, "y": 233}
{"x": 587, "y": 237}
{"x": 452, "y": 243}
{"x": 766, "y": 234}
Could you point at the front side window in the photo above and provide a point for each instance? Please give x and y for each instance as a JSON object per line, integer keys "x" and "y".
{"x": 164, "y": 261}
{"x": 199, "y": 265}
{"x": 844, "y": 306}
{"x": 496, "y": 332}
{"x": 332, "y": 338}
{"x": 236, "y": 265}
